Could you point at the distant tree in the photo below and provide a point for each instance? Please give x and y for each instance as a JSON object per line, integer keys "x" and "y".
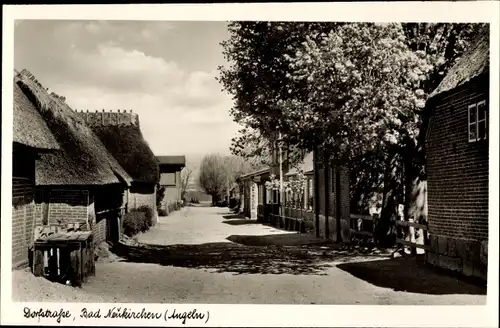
{"x": 212, "y": 177}
{"x": 186, "y": 175}
{"x": 235, "y": 166}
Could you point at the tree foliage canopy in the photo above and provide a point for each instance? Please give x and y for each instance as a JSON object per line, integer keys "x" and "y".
{"x": 345, "y": 86}
{"x": 356, "y": 90}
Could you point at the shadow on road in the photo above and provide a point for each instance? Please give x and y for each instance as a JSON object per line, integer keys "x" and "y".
{"x": 227, "y": 257}
{"x": 282, "y": 239}
{"x": 410, "y": 274}
{"x": 240, "y": 221}
{"x": 300, "y": 254}
{"x": 228, "y": 216}
{"x": 291, "y": 253}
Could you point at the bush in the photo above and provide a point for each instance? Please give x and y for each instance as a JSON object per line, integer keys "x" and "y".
{"x": 138, "y": 220}
{"x": 162, "y": 212}
{"x": 148, "y": 211}
{"x": 134, "y": 222}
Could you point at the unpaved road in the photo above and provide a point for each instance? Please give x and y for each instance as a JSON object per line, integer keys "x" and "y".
{"x": 206, "y": 255}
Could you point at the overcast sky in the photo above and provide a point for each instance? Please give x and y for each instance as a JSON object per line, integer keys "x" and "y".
{"x": 164, "y": 71}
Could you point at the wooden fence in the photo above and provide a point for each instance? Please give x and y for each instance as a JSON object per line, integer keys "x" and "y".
{"x": 283, "y": 217}
{"x": 363, "y": 225}
{"x": 411, "y": 226}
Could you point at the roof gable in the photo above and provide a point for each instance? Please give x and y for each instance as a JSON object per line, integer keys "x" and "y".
{"x": 29, "y": 128}
{"x": 83, "y": 159}
{"x": 473, "y": 63}
{"x": 127, "y": 144}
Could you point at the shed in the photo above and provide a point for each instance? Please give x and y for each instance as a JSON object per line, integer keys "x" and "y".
{"x": 170, "y": 178}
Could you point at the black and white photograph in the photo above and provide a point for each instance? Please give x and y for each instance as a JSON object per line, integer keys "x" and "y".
{"x": 249, "y": 161}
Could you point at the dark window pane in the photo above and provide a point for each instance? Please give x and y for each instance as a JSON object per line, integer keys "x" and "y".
{"x": 482, "y": 129}
{"x": 472, "y": 114}
{"x": 472, "y": 132}
{"x": 481, "y": 111}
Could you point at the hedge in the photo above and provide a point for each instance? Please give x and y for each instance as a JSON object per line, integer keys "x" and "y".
{"x": 138, "y": 220}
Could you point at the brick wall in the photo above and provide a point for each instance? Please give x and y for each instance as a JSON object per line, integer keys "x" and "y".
{"x": 68, "y": 206}
{"x": 23, "y": 216}
{"x": 325, "y": 193}
{"x": 99, "y": 231}
{"x": 64, "y": 206}
{"x": 457, "y": 185}
{"x": 344, "y": 203}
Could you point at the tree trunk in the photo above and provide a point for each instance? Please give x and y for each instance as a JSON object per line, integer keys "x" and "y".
{"x": 215, "y": 198}
{"x": 409, "y": 184}
{"x": 384, "y": 226}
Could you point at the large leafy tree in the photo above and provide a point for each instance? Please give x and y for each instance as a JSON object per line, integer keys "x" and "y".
{"x": 257, "y": 77}
{"x": 356, "y": 90}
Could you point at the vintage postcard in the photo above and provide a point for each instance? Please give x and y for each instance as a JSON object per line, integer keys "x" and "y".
{"x": 248, "y": 165}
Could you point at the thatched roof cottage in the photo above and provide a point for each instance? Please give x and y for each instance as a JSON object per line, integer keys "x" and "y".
{"x": 80, "y": 183}
{"x": 31, "y": 137}
{"x": 457, "y": 151}
{"x": 121, "y": 134}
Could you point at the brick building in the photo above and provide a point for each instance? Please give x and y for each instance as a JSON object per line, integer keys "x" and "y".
{"x": 31, "y": 137}
{"x": 170, "y": 178}
{"x": 80, "y": 183}
{"x": 457, "y": 164}
{"x": 331, "y": 202}
{"x": 121, "y": 134}
{"x": 324, "y": 209}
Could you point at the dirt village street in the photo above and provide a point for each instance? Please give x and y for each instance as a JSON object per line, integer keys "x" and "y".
{"x": 208, "y": 255}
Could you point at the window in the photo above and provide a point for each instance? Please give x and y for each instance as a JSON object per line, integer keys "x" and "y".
{"x": 310, "y": 194}
{"x": 478, "y": 121}
{"x": 305, "y": 194}
{"x": 260, "y": 191}
{"x": 269, "y": 196}
{"x": 168, "y": 179}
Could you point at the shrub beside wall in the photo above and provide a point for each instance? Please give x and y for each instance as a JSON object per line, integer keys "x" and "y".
{"x": 138, "y": 220}
{"x": 170, "y": 207}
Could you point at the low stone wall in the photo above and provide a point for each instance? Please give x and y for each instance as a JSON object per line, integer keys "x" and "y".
{"x": 467, "y": 257}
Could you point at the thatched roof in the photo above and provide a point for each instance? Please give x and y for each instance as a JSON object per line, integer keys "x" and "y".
{"x": 474, "y": 62}
{"x": 306, "y": 165}
{"x": 127, "y": 144}
{"x": 83, "y": 159}
{"x": 29, "y": 128}
{"x": 172, "y": 160}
